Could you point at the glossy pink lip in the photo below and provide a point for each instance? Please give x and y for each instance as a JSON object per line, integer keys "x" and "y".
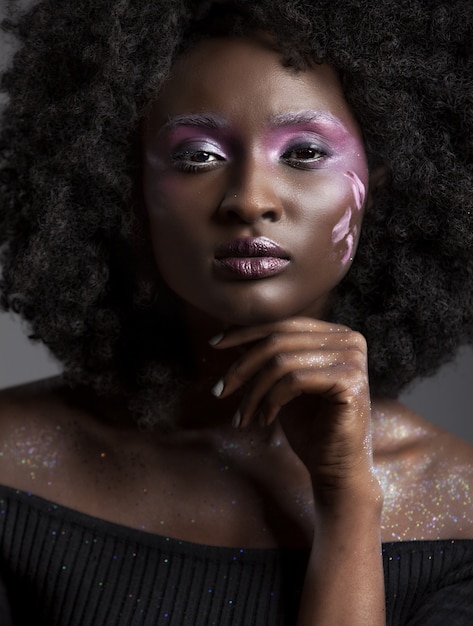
{"x": 251, "y": 247}
{"x": 250, "y": 258}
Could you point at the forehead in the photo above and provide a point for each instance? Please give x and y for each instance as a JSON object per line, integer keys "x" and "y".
{"x": 245, "y": 81}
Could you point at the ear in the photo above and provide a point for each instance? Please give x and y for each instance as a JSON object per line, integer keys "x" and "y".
{"x": 379, "y": 178}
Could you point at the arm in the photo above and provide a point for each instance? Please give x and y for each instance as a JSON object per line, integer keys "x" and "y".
{"x": 312, "y": 377}
{"x": 344, "y": 582}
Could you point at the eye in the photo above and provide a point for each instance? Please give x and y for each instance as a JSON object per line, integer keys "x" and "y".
{"x": 304, "y": 156}
{"x": 196, "y": 160}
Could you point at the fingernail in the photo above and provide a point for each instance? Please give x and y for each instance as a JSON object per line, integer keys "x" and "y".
{"x": 218, "y": 388}
{"x": 217, "y": 339}
{"x": 236, "y": 419}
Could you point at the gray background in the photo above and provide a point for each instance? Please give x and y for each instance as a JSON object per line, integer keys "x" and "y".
{"x": 446, "y": 399}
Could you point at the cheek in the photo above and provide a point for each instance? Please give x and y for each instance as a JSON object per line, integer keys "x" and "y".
{"x": 170, "y": 220}
{"x": 161, "y": 191}
{"x": 171, "y": 198}
{"x": 170, "y": 207}
{"x": 333, "y": 213}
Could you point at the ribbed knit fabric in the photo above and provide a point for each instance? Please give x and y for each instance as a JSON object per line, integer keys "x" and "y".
{"x": 64, "y": 568}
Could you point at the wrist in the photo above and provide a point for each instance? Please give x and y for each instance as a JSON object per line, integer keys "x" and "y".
{"x": 360, "y": 497}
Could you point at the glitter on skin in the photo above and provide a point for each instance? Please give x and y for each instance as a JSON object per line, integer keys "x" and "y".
{"x": 35, "y": 453}
{"x": 424, "y": 509}
{"x": 424, "y": 497}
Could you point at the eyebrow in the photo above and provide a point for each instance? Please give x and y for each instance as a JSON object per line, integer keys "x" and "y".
{"x": 201, "y": 121}
{"x": 217, "y": 122}
{"x": 306, "y": 117}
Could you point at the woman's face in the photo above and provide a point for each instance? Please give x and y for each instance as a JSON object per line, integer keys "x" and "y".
{"x": 254, "y": 183}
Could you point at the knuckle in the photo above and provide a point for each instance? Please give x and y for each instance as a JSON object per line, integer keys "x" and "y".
{"x": 236, "y": 371}
{"x": 357, "y": 358}
{"x": 272, "y": 342}
{"x": 293, "y": 380}
{"x": 278, "y": 361}
{"x": 359, "y": 341}
{"x": 342, "y": 328}
{"x": 353, "y": 340}
{"x": 357, "y": 380}
{"x": 296, "y": 323}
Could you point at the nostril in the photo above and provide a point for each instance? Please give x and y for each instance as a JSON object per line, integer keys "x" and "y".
{"x": 237, "y": 214}
{"x": 270, "y": 215}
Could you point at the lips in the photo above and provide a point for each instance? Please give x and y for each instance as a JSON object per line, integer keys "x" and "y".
{"x": 251, "y": 258}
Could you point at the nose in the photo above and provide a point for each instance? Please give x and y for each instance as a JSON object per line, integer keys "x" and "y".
{"x": 251, "y": 195}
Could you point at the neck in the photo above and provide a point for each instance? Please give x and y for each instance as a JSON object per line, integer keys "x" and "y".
{"x": 199, "y": 408}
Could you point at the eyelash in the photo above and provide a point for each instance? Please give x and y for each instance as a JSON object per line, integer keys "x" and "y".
{"x": 182, "y": 160}
{"x": 305, "y": 163}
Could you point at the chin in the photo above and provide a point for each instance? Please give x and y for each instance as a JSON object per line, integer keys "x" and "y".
{"x": 250, "y": 307}
{"x": 249, "y": 314}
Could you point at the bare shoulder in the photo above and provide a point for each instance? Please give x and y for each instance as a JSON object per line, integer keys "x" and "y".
{"x": 34, "y": 407}
{"x": 47, "y": 434}
{"x": 35, "y": 421}
{"x": 426, "y": 474}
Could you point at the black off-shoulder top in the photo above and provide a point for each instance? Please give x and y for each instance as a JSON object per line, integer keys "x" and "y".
{"x": 59, "y": 567}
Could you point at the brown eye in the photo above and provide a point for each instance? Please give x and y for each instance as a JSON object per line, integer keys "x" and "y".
{"x": 196, "y": 156}
{"x": 195, "y": 161}
{"x": 304, "y": 156}
{"x": 201, "y": 157}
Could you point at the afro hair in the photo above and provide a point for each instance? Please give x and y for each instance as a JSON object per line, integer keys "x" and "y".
{"x": 74, "y": 249}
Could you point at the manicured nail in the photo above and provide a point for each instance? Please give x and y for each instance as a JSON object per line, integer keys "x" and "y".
{"x": 236, "y": 419}
{"x": 217, "y": 339}
{"x": 218, "y": 388}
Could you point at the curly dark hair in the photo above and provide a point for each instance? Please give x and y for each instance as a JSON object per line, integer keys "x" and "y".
{"x": 76, "y": 256}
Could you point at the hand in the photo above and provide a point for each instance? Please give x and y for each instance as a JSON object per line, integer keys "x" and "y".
{"x": 312, "y": 376}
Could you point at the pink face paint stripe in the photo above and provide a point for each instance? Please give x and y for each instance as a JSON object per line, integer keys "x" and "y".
{"x": 348, "y": 252}
{"x": 342, "y": 228}
{"x": 359, "y": 191}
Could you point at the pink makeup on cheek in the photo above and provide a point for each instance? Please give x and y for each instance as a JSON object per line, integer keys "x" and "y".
{"x": 359, "y": 191}
{"x": 342, "y": 228}
{"x": 344, "y": 231}
{"x": 350, "y": 242}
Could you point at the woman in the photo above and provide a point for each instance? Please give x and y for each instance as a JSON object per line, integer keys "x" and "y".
{"x": 182, "y": 199}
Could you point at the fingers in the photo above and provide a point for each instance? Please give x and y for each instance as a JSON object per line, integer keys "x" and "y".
{"x": 268, "y": 397}
{"x": 289, "y": 359}
{"x": 240, "y": 336}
